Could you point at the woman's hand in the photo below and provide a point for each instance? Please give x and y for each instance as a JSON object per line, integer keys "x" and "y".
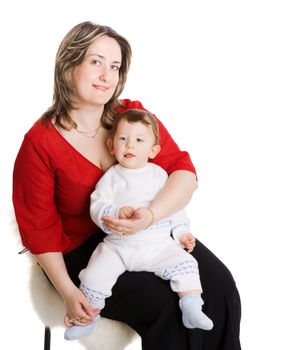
{"x": 140, "y": 219}
{"x": 78, "y": 310}
{"x": 188, "y": 241}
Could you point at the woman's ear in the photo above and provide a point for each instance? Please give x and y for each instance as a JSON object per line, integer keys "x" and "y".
{"x": 154, "y": 151}
{"x": 110, "y": 145}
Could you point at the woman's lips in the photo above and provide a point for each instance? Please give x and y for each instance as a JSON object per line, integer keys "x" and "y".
{"x": 100, "y": 87}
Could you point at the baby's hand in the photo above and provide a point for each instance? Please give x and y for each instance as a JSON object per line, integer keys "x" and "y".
{"x": 188, "y": 240}
{"x": 126, "y": 212}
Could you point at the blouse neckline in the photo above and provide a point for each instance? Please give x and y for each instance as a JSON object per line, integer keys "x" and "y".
{"x": 69, "y": 145}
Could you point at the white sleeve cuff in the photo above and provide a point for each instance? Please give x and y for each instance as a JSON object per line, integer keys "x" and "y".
{"x": 112, "y": 211}
{"x": 178, "y": 230}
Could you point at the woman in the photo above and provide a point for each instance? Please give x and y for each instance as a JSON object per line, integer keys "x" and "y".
{"x": 61, "y": 159}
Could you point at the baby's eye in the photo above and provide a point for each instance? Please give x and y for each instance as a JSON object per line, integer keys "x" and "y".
{"x": 122, "y": 138}
{"x": 139, "y": 139}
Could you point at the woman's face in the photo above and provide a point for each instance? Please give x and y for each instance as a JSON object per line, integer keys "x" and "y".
{"x": 96, "y": 79}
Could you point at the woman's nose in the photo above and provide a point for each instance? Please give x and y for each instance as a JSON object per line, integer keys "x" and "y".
{"x": 104, "y": 74}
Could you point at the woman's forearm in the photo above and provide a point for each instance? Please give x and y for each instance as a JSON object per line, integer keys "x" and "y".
{"x": 175, "y": 195}
{"x": 54, "y": 266}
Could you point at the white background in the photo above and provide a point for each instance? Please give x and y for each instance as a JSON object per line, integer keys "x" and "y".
{"x": 212, "y": 72}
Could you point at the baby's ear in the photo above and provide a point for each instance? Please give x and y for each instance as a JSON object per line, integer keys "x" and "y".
{"x": 154, "y": 151}
{"x": 110, "y": 145}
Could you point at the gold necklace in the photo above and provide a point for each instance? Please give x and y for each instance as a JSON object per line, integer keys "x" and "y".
{"x": 90, "y": 134}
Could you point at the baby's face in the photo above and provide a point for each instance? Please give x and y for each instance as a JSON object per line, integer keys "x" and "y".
{"x": 134, "y": 144}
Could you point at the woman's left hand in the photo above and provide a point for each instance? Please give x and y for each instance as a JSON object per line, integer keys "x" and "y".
{"x": 141, "y": 219}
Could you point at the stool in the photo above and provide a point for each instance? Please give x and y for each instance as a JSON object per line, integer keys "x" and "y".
{"x": 107, "y": 335}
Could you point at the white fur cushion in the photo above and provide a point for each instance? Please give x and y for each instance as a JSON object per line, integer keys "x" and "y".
{"x": 108, "y": 334}
{"x": 48, "y": 305}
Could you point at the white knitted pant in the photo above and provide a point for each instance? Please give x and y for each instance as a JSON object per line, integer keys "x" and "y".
{"x": 164, "y": 257}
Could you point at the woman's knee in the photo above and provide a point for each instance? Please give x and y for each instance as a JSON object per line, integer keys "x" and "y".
{"x": 155, "y": 294}
{"x": 143, "y": 295}
{"x": 213, "y": 272}
{"x": 162, "y": 296}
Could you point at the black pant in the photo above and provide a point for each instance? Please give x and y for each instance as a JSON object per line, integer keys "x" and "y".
{"x": 147, "y": 304}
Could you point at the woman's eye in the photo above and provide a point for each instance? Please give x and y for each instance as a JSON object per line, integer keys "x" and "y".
{"x": 96, "y": 62}
{"x": 117, "y": 68}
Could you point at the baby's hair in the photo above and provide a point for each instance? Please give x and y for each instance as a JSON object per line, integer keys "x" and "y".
{"x": 134, "y": 116}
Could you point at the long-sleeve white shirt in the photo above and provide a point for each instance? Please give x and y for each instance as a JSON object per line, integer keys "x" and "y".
{"x": 120, "y": 187}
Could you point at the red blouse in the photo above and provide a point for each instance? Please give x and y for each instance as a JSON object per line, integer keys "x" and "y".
{"x": 52, "y": 183}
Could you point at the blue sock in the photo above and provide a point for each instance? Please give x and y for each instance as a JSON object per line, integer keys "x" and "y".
{"x": 192, "y": 315}
{"x": 75, "y": 332}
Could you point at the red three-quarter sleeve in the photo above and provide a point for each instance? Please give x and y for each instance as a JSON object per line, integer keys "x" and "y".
{"x": 33, "y": 197}
{"x": 171, "y": 158}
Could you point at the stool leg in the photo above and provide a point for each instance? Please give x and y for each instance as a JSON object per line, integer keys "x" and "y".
{"x": 47, "y": 338}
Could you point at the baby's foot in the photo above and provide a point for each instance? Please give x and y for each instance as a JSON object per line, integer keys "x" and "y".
{"x": 75, "y": 332}
{"x": 192, "y": 315}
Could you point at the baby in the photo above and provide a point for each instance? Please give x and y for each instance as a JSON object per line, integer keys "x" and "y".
{"x": 133, "y": 183}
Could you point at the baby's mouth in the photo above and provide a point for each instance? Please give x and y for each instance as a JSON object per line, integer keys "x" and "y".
{"x": 129, "y": 155}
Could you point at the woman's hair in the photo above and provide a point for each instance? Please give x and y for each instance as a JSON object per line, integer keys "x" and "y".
{"x": 134, "y": 116}
{"x": 71, "y": 53}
